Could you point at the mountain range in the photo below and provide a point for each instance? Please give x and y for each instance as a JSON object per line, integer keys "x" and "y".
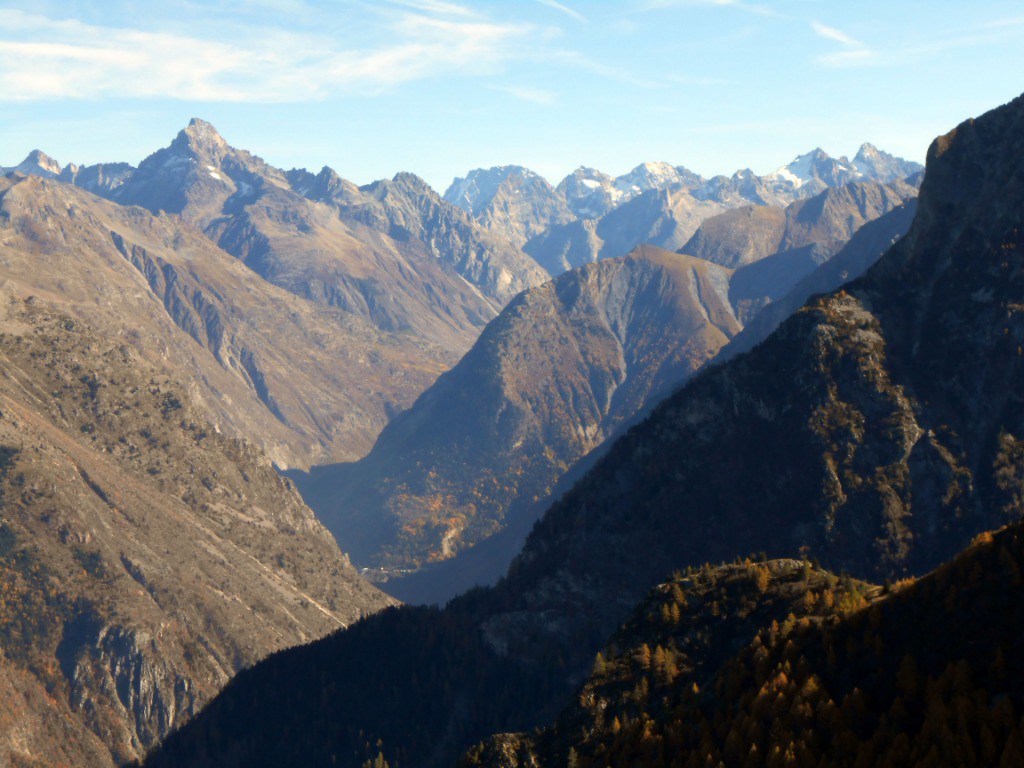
{"x": 875, "y": 430}
{"x": 561, "y": 369}
{"x": 275, "y": 286}
{"x": 175, "y": 330}
{"x": 591, "y": 215}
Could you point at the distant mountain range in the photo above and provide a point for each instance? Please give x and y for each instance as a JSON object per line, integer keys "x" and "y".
{"x": 512, "y": 207}
{"x": 591, "y": 215}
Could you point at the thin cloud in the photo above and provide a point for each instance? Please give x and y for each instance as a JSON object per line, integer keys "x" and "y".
{"x": 855, "y": 53}
{"x": 751, "y": 8}
{"x": 42, "y": 58}
{"x": 564, "y": 9}
{"x": 435, "y": 6}
{"x": 831, "y": 33}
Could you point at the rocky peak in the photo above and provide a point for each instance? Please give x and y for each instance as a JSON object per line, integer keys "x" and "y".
{"x": 202, "y": 139}
{"x": 476, "y": 191}
{"x": 654, "y": 175}
{"x": 42, "y": 161}
{"x": 413, "y": 184}
{"x": 327, "y": 184}
{"x": 38, "y": 163}
{"x": 589, "y": 193}
{"x": 873, "y": 163}
{"x": 867, "y": 151}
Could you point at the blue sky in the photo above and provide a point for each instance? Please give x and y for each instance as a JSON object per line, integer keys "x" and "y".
{"x": 437, "y": 87}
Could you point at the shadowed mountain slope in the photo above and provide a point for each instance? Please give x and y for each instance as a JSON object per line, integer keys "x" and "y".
{"x": 758, "y": 664}
{"x": 745, "y": 235}
{"x": 856, "y": 257}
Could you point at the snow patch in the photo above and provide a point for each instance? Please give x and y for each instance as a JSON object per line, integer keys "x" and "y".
{"x": 785, "y": 174}
{"x": 215, "y": 175}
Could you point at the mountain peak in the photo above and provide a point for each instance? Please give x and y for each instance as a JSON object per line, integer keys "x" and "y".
{"x": 202, "y": 139}
{"x": 867, "y": 149}
{"x": 474, "y": 192}
{"x": 38, "y": 163}
{"x": 874, "y": 163}
{"x": 412, "y": 181}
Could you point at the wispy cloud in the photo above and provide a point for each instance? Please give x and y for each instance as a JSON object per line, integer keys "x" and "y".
{"x": 854, "y": 52}
{"x": 532, "y": 95}
{"x": 563, "y": 8}
{"x": 756, "y": 9}
{"x": 831, "y": 33}
{"x": 435, "y": 6}
{"x": 44, "y": 58}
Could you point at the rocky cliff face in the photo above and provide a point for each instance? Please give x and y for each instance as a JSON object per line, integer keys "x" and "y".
{"x": 561, "y": 368}
{"x": 510, "y": 201}
{"x": 144, "y": 558}
{"x": 407, "y": 209}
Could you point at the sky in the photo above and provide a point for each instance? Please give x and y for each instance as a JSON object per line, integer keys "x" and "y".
{"x": 439, "y": 87}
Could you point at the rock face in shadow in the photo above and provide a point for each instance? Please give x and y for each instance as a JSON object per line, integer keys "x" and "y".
{"x": 561, "y": 368}
{"x": 772, "y": 249}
